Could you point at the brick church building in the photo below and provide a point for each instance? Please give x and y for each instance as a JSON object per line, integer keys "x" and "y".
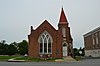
{"x": 47, "y": 42}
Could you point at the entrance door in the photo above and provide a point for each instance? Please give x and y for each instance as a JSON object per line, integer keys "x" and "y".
{"x": 64, "y": 50}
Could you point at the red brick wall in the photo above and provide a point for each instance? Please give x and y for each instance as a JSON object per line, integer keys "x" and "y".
{"x": 88, "y": 41}
{"x": 33, "y": 48}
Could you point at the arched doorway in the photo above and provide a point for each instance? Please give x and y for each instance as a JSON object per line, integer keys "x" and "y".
{"x": 65, "y": 53}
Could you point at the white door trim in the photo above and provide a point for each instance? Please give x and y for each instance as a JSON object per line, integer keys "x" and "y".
{"x": 64, "y": 49}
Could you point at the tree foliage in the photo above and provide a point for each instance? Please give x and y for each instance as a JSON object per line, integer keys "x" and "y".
{"x": 76, "y": 51}
{"x": 23, "y": 47}
{"x": 13, "y": 48}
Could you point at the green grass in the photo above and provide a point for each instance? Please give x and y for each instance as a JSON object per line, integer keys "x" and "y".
{"x": 34, "y": 59}
{"x": 5, "y": 58}
{"x": 41, "y": 60}
{"x": 21, "y": 58}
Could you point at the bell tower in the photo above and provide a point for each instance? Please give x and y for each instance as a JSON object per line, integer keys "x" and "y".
{"x": 64, "y": 31}
{"x": 63, "y": 24}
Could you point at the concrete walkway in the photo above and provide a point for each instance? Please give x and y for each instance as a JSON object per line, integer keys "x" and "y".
{"x": 66, "y": 59}
{"x": 13, "y": 60}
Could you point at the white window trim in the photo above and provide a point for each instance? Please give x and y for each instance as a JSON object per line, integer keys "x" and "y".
{"x": 43, "y": 42}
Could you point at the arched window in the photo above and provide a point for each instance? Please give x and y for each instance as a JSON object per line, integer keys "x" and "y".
{"x": 64, "y": 45}
{"x": 64, "y": 32}
{"x": 45, "y": 43}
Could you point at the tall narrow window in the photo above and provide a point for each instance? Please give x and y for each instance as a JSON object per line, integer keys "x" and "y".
{"x": 49, "y": 45}
{"x": 41, "y": 41}
{"x": 93, "y": 41}
{"x": 99, "y": 37}
{"x": 99, "y": 34}
{"x": 64, "y": 32}
{"x": 96, "y": 38}
{"x": 45, "y": 43}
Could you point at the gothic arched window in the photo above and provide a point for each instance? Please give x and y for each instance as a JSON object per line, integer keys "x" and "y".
{"x": 45, "y": 43}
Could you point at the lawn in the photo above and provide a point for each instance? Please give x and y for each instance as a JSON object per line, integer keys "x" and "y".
{"x": 34, "y": 59}
{"x": 41, "y": 60}
{"x": 5, "y": 58}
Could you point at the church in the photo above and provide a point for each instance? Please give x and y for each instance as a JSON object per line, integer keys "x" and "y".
{"x": 47, "y": 42}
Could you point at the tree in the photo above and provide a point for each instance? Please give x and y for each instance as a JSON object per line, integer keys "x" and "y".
{"x": 3, "y": 42}
{"x": 76, "y": 52}
{"x": 23, "y": 47}
{"x": 15, "y": 44}
{"x": 83, "y": 52}
{"x": 3, "y": 47}
{"x": 12, "y": 50}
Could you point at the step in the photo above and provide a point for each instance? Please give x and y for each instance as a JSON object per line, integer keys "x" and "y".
{"x": 69, "y": 58}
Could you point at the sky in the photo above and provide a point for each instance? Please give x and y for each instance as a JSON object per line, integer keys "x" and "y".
{"x": 16, "y": 17}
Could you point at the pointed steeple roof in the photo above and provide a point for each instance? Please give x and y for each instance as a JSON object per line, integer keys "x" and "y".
{"x": 63, "y": 18}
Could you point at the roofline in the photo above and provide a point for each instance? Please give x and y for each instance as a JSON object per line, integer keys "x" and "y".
{"x": 47, "y": 22}
{"x": 92, "y": 32}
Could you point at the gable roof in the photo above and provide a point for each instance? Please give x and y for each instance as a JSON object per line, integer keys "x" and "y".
{"x": 45, "y": 23}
